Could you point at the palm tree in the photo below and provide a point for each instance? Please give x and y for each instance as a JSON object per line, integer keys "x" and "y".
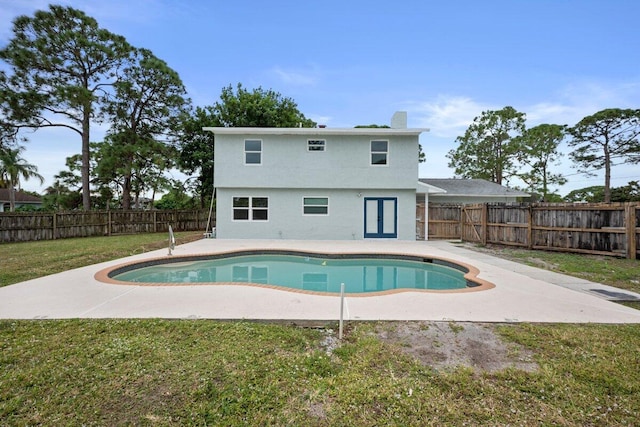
{"x": 12, "y": 167}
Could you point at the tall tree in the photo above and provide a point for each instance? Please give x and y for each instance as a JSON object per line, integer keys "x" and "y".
{"x": 12, "y": 167}
{"x": 488, "y": 148}
{"x": 148, "y": 100}
{"x": 197, "y": 148}
{"x": 66, "y": 191}
{"x": 62, "y": 62}
{"x": 603, "y": 138}
{"x": 258, "y": 108}
{"x": 539, "y": 151}
{"x": 239, "y": 108}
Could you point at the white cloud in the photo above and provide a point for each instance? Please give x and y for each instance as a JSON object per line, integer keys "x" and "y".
{"x": 319, "y": 119}
{"x": 447, "y": 116}
{"x": 296, "y": 77}
{"x": 11, "y": 9}
{"x": 105, "y": 12}
{"x": 581, "y": 99}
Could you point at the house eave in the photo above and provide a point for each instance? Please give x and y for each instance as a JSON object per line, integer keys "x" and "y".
{"x": 315, "y": 131}
{"x": 429, "y": 189}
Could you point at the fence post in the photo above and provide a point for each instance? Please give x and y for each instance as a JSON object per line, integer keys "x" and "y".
{"x": 155, "y": 221}
{"x": 461, "y": 210}
{"x": 54, "y": 222}
{"x": 483, "y": 223}
{"x": 630, "y": 222}
{"x": 530, "y": 227}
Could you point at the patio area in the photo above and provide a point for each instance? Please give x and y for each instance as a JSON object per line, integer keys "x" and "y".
{"x": 521, "y": 293}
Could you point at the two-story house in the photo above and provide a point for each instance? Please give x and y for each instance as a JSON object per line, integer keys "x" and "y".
{"x": 317, "y": 183}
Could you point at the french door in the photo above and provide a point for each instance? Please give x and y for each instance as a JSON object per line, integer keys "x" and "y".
{"x": 380, "y": 217}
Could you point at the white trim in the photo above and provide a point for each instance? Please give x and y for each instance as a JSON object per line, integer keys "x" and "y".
{"x": 245, "y": 152}
{"x": 387, "y": 132}
{"x": 250, "y": 209}
{"x": 315, "y": 197}
{"x": 324, "y": 145}
{"x": 371, "y": 152}
{"x": 428, "y": 188}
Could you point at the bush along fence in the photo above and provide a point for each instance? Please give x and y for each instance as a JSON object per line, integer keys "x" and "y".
{"x": 23, "y": 227}
{"x": 599, "y": 229}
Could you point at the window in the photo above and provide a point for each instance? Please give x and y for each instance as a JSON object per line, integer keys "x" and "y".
{"x": 250, "y": 274}
{"x": 252, "y": 152}
{"x": 250, "y": 208}
{"x": 315, "y": 145}
{"x": 315, "y": 205}
{"x": 315, "y": 282}
{"x": 379, "y": 152}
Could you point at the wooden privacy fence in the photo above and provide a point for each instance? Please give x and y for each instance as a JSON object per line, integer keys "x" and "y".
{"x": 23, "y": 227}
{"x": 605, "y": 229}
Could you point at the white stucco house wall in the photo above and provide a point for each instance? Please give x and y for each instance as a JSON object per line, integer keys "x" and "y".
{"x": 317, "y": 183}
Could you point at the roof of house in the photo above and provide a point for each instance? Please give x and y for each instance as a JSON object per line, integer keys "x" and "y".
{"x": 472, "y": 187}
{"x": 20, "y": 197}
{"x": 315, "y": 131}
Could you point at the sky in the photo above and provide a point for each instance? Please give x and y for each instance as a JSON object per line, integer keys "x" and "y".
{"x": 354, "y": 62}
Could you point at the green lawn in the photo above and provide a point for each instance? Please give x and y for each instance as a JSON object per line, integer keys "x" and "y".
{"x": 29, "y": 260}
{"x": 186, "y": 372}
{"x": 619, "y": 272}
{"x": 159, "y": 372}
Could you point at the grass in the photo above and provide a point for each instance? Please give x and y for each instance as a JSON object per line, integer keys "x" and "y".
{"x": 29, "y": 260}
{"x": 619, "y": 272}
{"x": 183, "y": 372}
{"x": 161, "y": 372}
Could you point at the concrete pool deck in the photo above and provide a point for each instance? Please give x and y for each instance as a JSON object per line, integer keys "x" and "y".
{"x": 521, "y": 294}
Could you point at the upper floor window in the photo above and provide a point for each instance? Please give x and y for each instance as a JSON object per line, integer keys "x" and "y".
{"x": 252, "y": 152}
{"x": 250, "y": 208}
{"x": 315, "y": 205}
{"x": 379, "y": 152}
{"x": 316, "y": 145}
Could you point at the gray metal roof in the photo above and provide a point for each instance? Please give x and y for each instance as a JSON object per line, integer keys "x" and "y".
{"x": 472, "y": 187}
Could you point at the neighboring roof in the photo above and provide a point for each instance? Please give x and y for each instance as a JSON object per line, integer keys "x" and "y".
{"x": 472, "y": 187}
{"x": 20, "y": 197}
{"x": 315, "y": 131}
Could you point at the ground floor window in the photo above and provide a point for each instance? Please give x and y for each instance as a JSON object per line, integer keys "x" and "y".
{"x": 315, "y": 205}
{"x": 250, "y": 208}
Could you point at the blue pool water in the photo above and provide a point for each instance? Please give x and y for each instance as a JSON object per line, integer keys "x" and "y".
{"x": 359, "y": 273}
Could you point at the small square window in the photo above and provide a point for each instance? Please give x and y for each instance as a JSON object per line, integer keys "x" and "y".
{"x": 316, "y": 145}
{"x": 379, "y": 152}
{"x": 315, "y": 205}
{"x": 252, "y": 152}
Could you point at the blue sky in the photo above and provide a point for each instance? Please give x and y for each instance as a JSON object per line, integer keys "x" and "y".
{"x": 355, "y": 62}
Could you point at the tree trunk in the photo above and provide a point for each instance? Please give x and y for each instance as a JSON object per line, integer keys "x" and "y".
{"x": 12, "y": 197}
{"x": 85, "y": 168}
{"x": 607, "y": 175}
{"x": 545, "y": 189}
{"x": 126, "y": 192}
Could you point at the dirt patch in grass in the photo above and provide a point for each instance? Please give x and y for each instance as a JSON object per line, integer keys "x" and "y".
{"x": 447, "y": 345}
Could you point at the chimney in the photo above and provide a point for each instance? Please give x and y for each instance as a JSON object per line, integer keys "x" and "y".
{"x": 399, "y": 120}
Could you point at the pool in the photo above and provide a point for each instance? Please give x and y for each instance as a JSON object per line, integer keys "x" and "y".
{"x": 362, "y": 274}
